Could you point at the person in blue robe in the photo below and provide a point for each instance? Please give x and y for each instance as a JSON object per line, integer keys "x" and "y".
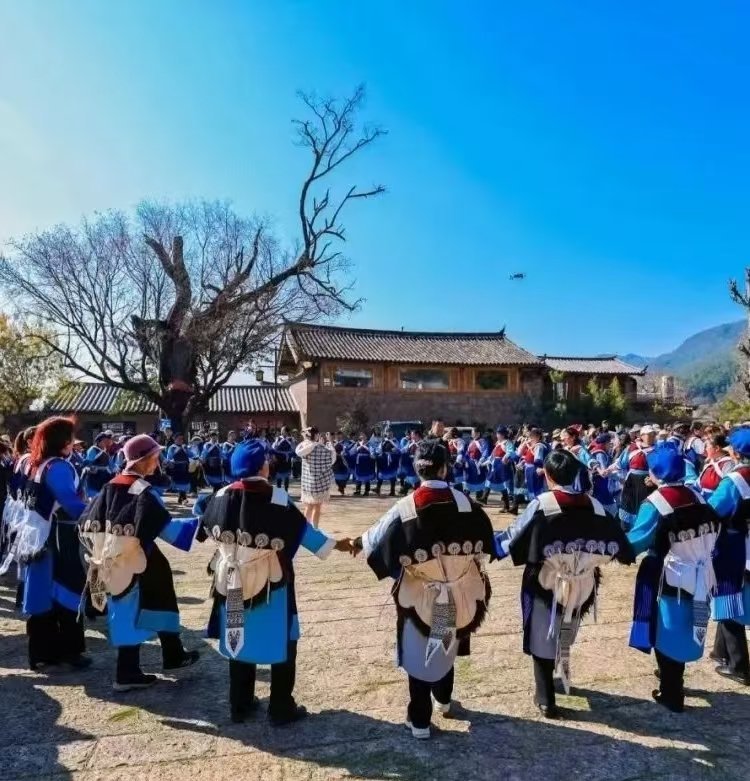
{"x": 364, "y": 466}
{"x": 500, "y": 467}
{"x": 282, "y": 452}
{"x": 350, "y": 457}
{"x": 341, "y": 470}
{"x": 258, "y": 531}
{"x": 410, "y": 477}
{"x": 77, "y": 457}
{"x": 195, "y": 450}
{"x": 178, "y": 467}
{"x": 98, "y": 468}
{"x": 571, "y": 440}
{"x": 731, "y": 603}
{"x": 604, "y": 485}
{"x": 46, "y": 545}
{"x": 532, "y": 453}
{"x": 128, "y": 574}
{"x": 671, "y": 606}
{"x": 226, "y": 453}
{"x": 211, "y": 459}
{"x": 474, "y": 462}
{"x": 388, "y": 459}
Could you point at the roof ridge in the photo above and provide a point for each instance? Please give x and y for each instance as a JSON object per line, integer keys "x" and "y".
{"x": 388, "y": 332}
{"x": 583, "y": 357}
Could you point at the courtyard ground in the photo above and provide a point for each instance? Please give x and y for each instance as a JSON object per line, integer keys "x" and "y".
{"x": 73, "y": 726}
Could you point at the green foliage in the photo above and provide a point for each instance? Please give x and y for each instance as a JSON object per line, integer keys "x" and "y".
{"x": 354, "y": 421}
{"x": 596, "y": 403}
{"x": 710, "y": 381}
{"x": 30, "y": 370}
{"x": 734, "y": 411}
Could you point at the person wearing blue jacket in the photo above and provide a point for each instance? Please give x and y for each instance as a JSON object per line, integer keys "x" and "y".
{"x": 731, "y": 603}
{"x": 46, "y": 545}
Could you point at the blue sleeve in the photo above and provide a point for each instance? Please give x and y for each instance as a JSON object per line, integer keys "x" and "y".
{"x": 317, "y": 542}
{"x": 510, "y": 451}
{"x": 584, "y": 456}
{"x": 180, "y": 532}
{"x": 170, "y": 452}
{"x": 61, "y": 481}
{"x": 374, "y": 535}
{"x": 623, "y": 461}
{"x": 539, "y": 456}
{"x": 642, "y": 535}
{"x": 601, "y": 460}
{"x": 504, "y": 539}
{"x": 725, "y": 499}
{"x": 90, "y": 455}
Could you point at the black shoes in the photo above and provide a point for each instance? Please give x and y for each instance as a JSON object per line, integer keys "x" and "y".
{"x": 188, "y": 658}
{"x": 675, "y": 706}
{"x": 551, "y": 712}
{"x": 77, "y": 662}
{"x": 135, "y": 681}
{"x": 297, "y": 713}
{"x": 725, "y": 671}
{"x": 239, "y": 714}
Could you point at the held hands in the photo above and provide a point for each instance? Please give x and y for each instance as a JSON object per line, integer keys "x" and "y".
{"x": 348, "y": 545}
{"x": 345, "y": 545}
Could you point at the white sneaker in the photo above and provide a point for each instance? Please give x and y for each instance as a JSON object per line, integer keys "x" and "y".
{"x": 417, "y": 732}
{"x": 443, "y": 710}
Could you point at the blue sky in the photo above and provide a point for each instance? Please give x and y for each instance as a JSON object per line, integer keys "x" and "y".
{"x": 601, "y": 148}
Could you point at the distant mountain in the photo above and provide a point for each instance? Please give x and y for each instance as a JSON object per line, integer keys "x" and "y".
{"x": 705, "y": 363}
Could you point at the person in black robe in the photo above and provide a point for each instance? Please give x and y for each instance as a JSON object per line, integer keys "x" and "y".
{"x": 258, "y": 531}
{"x": 432, "y": 543}
{"x": 562, "y": 539}
{"x": 127, "y": 573}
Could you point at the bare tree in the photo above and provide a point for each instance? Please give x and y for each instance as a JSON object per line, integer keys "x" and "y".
{"x": 168, "y": 303}
{"x": 743, "y": 299}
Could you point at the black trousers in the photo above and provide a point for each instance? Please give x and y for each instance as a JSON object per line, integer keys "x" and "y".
{"x": 544, "y": 683}
{"x": 129, "y": 656}
{"x": 671, "y": 679}
{"x": 392, "y": 482}
{"x": 283, "y": 677}
{"x": 421, "y": 692}
{"x": 55, "y": 636}
{"x": 283, "y": 481}
{"x": 358, "y": 487}
{"x": 731, "y": 644}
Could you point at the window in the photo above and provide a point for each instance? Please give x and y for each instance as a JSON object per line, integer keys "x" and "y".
{"x": 424, "y": 379}
{"x": 491, "y": 380}
{"x": 352, "y": 378}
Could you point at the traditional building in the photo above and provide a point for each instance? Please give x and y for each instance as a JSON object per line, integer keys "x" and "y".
{"x": 404, "y": 375}
{"x": 98, "y": 407}
{"x": 569, "y": 377}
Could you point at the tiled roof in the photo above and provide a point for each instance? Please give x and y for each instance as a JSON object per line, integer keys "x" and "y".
{"x": 608, "y": 364}
{"x": 355, "y": 344}
{"x": 92, "y": 398}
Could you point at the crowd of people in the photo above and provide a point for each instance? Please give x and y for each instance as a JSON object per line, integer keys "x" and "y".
{"x": 80, "y": 528}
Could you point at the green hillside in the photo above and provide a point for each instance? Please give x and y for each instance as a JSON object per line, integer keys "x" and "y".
{"x": 706, "y": 363}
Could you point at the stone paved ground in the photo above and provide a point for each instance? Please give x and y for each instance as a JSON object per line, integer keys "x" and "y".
{"x": 73, "y": 726}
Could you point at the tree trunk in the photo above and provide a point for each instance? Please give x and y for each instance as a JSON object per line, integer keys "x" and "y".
{"x": 747, "y": 337}
{"x": 174, "y": 407}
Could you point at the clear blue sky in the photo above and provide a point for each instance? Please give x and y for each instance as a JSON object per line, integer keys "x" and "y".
{"x": 601, "y": 148}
